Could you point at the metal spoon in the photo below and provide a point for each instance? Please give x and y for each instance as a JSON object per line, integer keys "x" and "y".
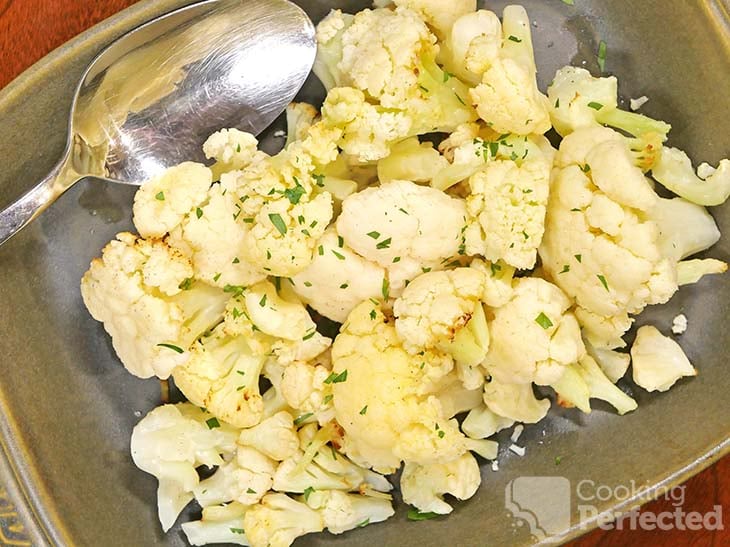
{"x": 151, "y": 98}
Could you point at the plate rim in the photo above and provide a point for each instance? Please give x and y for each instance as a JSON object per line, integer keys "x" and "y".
{"x": 24, "y": 487}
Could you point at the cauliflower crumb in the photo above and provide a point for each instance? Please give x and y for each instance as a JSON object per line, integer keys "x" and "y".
{"x": 636, "y": 104}
{"x": 679, "y": 324}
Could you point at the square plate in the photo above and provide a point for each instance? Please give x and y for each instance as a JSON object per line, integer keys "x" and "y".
{"x": 69, "y": 406}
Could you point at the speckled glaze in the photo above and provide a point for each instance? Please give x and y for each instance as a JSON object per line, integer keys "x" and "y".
{"x": 69, "y": 407}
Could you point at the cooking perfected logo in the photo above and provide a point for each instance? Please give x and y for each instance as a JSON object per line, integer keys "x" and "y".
{"x": 542, "y": 502}
{"x": 545, "y": 505}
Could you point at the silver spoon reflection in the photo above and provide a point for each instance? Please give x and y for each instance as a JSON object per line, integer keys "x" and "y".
{"x": 150, "y": 99}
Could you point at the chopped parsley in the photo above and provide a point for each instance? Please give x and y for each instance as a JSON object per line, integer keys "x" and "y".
{"x": 212, "y": 423}
{"x": 250, "y": 491}
{"x": 396, "y": 259}
{"x": 198, "y": 212}
{"x": 603, "y": 281}
{"x": 373, "y": 315}
{"x": 309, "y": 335}
{"x": 374, "y": 234}
{"x": 340, "y": 242}
{"x": 579, "y": 258}
{"x": 237, "y": 290}
{"x": 338, "y": 255}
{"x": 303, "y": 418}
{"x": 174, "y": 348}
{"x": 364, "y": 523}
{"x": 308, "y": 492}
{"x": 160, "y": 196}
{"x": 385, "y": 289}
{"x": 344, "y": 286}
{"x": 320, "y": 250}
{"x": 278, "y": 222}
{"x": 319, "y": 180}
{"x": 385, "y": 244}
{"x": 327, "y": 399}
{"x": 335, "y": 378}
{"x": 186, "y": 284}
{"x": 262, "y": 302}
{"x": 237, "y": 530}
{"x": 514, "y": 38}
{"x": 364, "y": 410}
{"x": 415, "y": 514}
{"x": 544, "y": 321}
{"x": 294, "y": 194}
{"x": 495, "y": 268}
{"x": 217, "y": 276}
{"x": 595, "y": 105}
{"x": 566, "y": 269}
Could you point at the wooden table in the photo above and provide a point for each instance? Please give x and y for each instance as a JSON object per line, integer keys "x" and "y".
{"x": 31, "y": 28}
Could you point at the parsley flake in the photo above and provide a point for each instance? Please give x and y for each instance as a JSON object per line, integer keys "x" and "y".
{"x": 278, "y": 222}
{"x": 415, "y": 514}
{"x": 603, "y": 281}
{"x": 303, "y": 418}
{"x": 174, "y": 348}
{"x": 212, "y": 423}
{"x": 544, "y": 321}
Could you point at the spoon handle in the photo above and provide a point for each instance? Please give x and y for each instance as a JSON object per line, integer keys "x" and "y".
{"x": 19, "y": 214}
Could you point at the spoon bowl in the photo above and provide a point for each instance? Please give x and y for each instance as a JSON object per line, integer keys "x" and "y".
{"x": 152, "y": 98}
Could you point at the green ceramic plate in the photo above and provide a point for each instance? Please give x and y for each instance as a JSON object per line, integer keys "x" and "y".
{"x": 69, "y": 406}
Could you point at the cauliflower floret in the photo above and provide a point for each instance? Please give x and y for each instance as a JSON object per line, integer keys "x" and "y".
{"x": 231, "y": 149}
{"x": 674, "y": 171}
{"x": 284, "y": 236}
{"x": 411, "y": 160}
{"x": 537, "y": 311}
{"x": 299, "y": 118}
{"x": 388, "y": 55}
{"x": 423, "y": 486}
{"x": 368, "y": 130}
{"x": 507, "y": 97}
{"x": 275, "y": 197}
{"x": 509, "y": 203}
{"x": 132, "y": 290}
{"x": 579, "y": 101}
{"x": 441, "y": 310}
{"x": 613, "y": 363}
{"x": 162, "y": 202}
{"x": 220, "y": 524}
{"x": 438, "y": 14}
{"x": 684, "y": 228}
{"x": 214, "y": 235}
{"x": 342, "y": 512}
{"x": 222, "y": 375}
{"x": 304, "y": 389}
{"x": 658, "y": 361}
{"x": 472, "y": 44}
{"x": 481, "y": 423}
{"x": 584, "y": 381}
{"x": 338, "y": 279}
{"x": 278, "y": 520}
{"x": 515, "y": 401}
{"x": 379, "y": 402}
{"x": 403, "y": 227}
{"x": 599, "y": 250}
{"x": 498, "y": 281}
{"x": 169, "y": 443}
{"x": 245, "y": 479}
{"x": 275, "y": 437}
